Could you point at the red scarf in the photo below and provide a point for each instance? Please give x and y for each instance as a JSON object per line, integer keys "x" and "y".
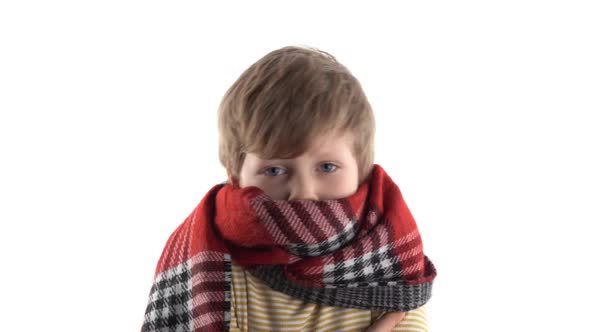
{"x": 363, "y": 252}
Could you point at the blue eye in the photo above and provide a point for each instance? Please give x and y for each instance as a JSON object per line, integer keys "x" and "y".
{"x": 274, "y": 171}
{"x": 328, "y": 167}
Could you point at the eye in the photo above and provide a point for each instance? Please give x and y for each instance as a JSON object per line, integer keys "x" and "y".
{"x": 274, "y": 171}
{"x": 328, "y": 167}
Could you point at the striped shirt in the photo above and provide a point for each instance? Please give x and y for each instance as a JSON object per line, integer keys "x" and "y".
{"x": 256, "y": 307}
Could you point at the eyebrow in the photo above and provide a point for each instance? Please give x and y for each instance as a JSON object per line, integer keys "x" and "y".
{"x": 323, "y": 157}
{"x": 327, "y": 155}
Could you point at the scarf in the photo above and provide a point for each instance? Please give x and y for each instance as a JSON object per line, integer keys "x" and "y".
{"x": 363, "y": 251}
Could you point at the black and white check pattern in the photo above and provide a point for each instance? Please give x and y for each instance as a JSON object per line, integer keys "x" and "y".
{"x": 170, "y": 301}
{"x": 373, "y": 266}
{"x": 178, "y": 303}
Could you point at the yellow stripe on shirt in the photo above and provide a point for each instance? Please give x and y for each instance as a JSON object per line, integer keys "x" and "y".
{"x": 257, "y": 307}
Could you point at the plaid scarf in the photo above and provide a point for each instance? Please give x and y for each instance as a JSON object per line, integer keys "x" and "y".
{"x": 363, "y": 252}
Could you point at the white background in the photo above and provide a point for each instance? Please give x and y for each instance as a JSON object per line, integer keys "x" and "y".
{"x": 108, "y": 140}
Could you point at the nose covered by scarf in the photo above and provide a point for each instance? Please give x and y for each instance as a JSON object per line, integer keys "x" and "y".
{"x": 363, "y": 251}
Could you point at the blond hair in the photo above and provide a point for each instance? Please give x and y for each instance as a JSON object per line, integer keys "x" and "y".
{"x": 288, "y": 98}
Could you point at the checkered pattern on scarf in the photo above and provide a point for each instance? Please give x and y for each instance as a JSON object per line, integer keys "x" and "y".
{"x": 307, "y": 228}
{"x": 181, "y": 298}
{"x": 358, "y": 274}
{"x": 361, "y": 252}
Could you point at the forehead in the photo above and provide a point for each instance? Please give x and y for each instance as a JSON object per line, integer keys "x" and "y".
{"x": 331, "y": 142}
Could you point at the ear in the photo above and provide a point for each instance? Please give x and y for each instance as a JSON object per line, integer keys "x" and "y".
{"x": 231, "y": 180}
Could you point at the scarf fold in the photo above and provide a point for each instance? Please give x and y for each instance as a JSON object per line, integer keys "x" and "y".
{"x": 363, "y": 251}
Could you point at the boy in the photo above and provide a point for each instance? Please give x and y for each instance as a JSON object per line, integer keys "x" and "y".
{"x": 307, "y": 234}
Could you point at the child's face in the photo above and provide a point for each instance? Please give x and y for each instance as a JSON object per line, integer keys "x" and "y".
{"x": 327, "y": 170}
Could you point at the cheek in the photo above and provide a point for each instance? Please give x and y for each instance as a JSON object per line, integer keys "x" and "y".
{"x": 343, "y": 185}
{"x": 276, "y": 189}
{"x": 272, "y": 187}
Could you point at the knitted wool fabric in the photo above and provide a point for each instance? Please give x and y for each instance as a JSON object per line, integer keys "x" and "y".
{"x": 363, "y": 252}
